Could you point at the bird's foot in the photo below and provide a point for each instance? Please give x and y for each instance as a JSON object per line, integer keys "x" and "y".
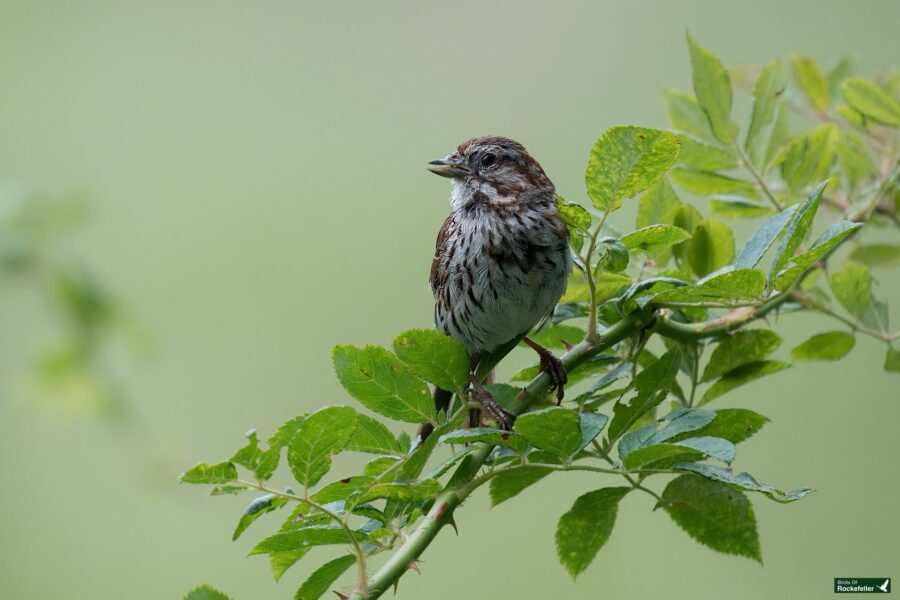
{"x": 503, "y": 416}
{"x": 553, "y": 367}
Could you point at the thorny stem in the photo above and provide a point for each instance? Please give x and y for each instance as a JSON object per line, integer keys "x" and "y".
{"x": 362, "y": 579}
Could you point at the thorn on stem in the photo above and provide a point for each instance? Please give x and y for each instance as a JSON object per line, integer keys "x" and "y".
{"x": 414, "y": 566}
{"x": 341, "y": 596}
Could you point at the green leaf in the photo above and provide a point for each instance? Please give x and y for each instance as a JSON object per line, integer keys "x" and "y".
{"x": 876, "y": 254}
{"x": 742, "y": 347}
{"x": 282, "y": 561}
{"x": 780, "y": 133}
{"x": 257, "y": 508}
{"x": 205, "y": 592}
{"x": 763, "y": 238}
{"x": 322, "y": 578}
{"x": 824, "y": 346}
{"x": 295, "y": 539}
{"x": 373, "y": 437}
{"x": 341, "y": 489}
{"x": 434, "y": 357}
{"x": 417, "y": 491}
{"x": 223, "y": 472}
{"x": 892, "y": 360}
{"x": 711, "y": 247}
{"x": 557, "y": 336}
{"x": 827, "y": 242}
{"x": 732, "y": 424}
{"x": 262, "y": 463}
{"x": 704, "y": 183}
{"x": 741, "y": 375}
{"x": 583, "y": 530}
{"x": 738, "y": 207}
{"x": 705, "y": 156}
{"x": 685, "y": 114}
{"x": 769, "y": 87}
{"x": 744, "y": 481}
{"x": 573, "y": 215}
{"x": 811, "y": 80}
{"x": 872, "y": 101}
{"x": 712, "y": 86}
{"x": 714, "y": 514}
{"x": 678, "y": 422}
{"x": 627, "y": 160}
{"x": 876, "y": 316}
{"x": 495, "y": 437}
{"x": 383, "y": 384}
{"x": 658, "y": 204}
{"x": 323, "y": 433}
{"x": 590, "y": 424}
{"x": 724, "y": 288}
{"x": 841, "y": 71}
{"x": 554, "y": 429}
{"x": 654, "y": 237}
{"x": 652, "y": 385}
{"x": 852, "y": 286}
{"x": 508, "y": 484}
{"x": 809, "y": 157}
{"x": 616, "y": 255}
{"x": 796, "y": 230}
{"x": 659, "y": 453}
{"x": 853, "y": 156}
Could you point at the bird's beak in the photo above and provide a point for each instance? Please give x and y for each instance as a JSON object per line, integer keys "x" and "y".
{"x": 449, "y": 166}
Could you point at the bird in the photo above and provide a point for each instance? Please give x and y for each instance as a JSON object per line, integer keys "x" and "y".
{"x": 501, "y": 261}
{"x": 884, "y": 586}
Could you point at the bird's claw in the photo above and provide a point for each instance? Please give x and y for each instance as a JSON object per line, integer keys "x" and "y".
{"x": 504, "y": 417}
{"x": 557, "y": 371}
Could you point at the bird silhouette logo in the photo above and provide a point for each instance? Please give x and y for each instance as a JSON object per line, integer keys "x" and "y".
{"x": 884, "y": 586}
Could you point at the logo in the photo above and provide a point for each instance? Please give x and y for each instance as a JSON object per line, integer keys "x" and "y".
{"x": 862, "y": 585}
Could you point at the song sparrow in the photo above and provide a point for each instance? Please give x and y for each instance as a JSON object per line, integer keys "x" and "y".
{"x": 501, "y": 260}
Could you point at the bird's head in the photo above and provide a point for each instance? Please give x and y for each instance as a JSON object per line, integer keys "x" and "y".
{"x": 494, "y": 168}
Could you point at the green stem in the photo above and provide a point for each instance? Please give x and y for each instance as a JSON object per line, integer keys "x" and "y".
{"x": 758, "y": 178}
{"x": 812, "y": 303}
{"x": 592, "y": 333}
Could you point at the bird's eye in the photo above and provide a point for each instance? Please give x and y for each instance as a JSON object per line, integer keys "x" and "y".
{"x": 487, "y": 159}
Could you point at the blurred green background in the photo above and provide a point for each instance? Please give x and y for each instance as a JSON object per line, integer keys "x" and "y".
{"x": 257, "y": 175}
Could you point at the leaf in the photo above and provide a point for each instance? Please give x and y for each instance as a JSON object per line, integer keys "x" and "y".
{"x": 554, "y": 429}
{"x": 876, "y": 254}
{"x": 743, "y": 480}
{"x": 616, "y": 256}
{"x": 573, "y": 215}
{"x": 704, "y": 183}
{"x": 824, "y": 346}
{"x": 323, "y": 433}
{"x": 658, "y": 204}
{"x": 711, "y": 247}
{"x": 295, "y": 539}
{"x": 373, "y": 437}
{"x": 892, "y": 360}
{"x": 341, "y": 489}
{"x": 872, "y": 101}
{"x": 652, "y": 385}
{"x": 223, "y": 472}
{"x": 205, "y": 592}
{"x": 762, "y": 239}
{"x": 809, "y": 157}
{"x": 508, "y": 484}
{"x": 714, "y": 514}
{"x": 417, "y": 491}
{"x": 712, "y": 86}
{"x": 678, "y": 422}
{"x": 584, "y": 529}
{"x": 383, "y": 384}
{"x": 853, "y": 156}
{"x": 282, "y": 561}
{"x": 827, "y": 242}
{"x": 769, "y": 87}
{"x": 738, "y": 207}
{"x": 660, "y": 453}
{"x": 740, "y": 376}
{"x": 876, "y": 316}
{"x": 686, "y": 115}
{"x": 742, "y": 347}
{"x": 322, "y": 578}
{"x": 852, "y": 286}
{"x": 811, "y": 80}
{"x": 627, "y": 160}
{"x": 590, "y": 424}
{"x": 732, "y": 424}
{"x": 434, "y": 357}
{"x": 796, "y": 230}
{"x": 557, "y": 336}
{"x": 495, "y": 437}
{"x": 780, "y": 133}
{"x": 257, "y": 508}
{"x": 705, "y": 156}
{"x": 654, "y": 237}
{"x": 738, "y": 284}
